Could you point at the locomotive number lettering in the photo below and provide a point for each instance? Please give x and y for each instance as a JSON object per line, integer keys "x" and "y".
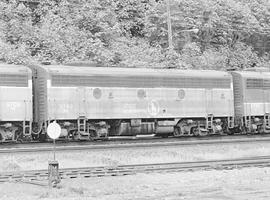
{"x": 65, "y": 108}
{"x": 13, "y": 106}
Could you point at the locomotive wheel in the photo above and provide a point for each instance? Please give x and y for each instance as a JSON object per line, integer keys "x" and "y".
{"x": 71, "y": 134}
{"x": 1, "y": 138}
{"x": 203, "y": 133}
{"x": 42, "y": 137}
{"x": 35, "y": 136}
{"x": 177, "y": 132}
{"x": 92, "y": 135}
{"x": 196, "y": 132}
{"x": 18, "y": 136}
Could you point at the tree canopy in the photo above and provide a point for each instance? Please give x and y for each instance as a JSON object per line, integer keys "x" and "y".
{"x": 207, "y": 34}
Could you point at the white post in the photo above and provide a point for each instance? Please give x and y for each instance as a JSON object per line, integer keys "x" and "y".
{"x": 54, "y": 149}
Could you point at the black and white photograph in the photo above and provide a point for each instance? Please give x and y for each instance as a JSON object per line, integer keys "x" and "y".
{"x": 134, "y": 99}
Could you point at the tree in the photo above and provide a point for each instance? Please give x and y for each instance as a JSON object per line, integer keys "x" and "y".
{"x": 134, "y": 32}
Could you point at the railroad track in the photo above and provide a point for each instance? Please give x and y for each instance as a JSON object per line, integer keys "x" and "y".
{"x": 37, "y": 147}
{"x": 41, "y": 175}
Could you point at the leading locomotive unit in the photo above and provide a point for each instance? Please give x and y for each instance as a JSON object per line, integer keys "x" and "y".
{"x": 98, "y": 102}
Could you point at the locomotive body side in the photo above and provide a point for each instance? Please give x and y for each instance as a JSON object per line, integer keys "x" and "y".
{"x": 15, "y": 102}
{"x": 253, "y": 105}
{"x": 100, "y": 101}
{"x": 125, "y": 94}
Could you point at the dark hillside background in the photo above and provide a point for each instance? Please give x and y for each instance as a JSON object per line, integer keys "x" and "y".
{"x": 207, "y": 34}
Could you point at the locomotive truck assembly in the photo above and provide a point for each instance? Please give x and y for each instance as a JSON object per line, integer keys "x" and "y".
{"x": 98, "y": 102}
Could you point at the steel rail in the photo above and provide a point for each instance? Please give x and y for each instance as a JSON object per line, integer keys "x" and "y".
{"x": 129, "y": 144}
{"x": 87, "y": 172}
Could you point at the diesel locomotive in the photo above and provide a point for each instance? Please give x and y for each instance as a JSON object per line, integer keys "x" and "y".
{"x": 98, "y": 102}
{"x": 16, "y": 107}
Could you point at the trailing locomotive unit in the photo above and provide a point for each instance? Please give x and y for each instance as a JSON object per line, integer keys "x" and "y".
{"x": 15, "y": 103}
{"x": 252, "y": 100}
{"x": 97, "y": 102}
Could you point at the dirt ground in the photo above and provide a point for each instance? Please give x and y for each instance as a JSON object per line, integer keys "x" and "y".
{"x": 32, "y": 161}
{"x": 247, "y": 183}
{"x": 237, "y": 184}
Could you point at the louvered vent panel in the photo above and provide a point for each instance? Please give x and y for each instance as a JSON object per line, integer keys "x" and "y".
{"x": 139, "y": 81}
{"x": 253, "y": 83}
{"x": 266, "y": 83}
{"x": 18, "y": 80}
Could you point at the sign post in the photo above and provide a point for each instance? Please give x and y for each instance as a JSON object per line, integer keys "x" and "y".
{"x": 53, "y": 131}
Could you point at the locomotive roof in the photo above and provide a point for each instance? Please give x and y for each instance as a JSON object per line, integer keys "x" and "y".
{"x": 252, "y": 74}
{"x": 83, "y": 70}
{"x": 9, "y": 68}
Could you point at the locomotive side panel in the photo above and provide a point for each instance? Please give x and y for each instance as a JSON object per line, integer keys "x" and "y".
{"x": 15, "y": 93}
{"x": 123, "y": 103}
{"x": 15, "y": 102}
{"x": 116, "y": 103}
{"x": 266, "y": 96}
{"x": 256, "y": 95}
{"x": 63, "y": 103}
{"x": 252, "y": 100}
{"x": 256, "y": 101}
{"x": 134, "y": 99}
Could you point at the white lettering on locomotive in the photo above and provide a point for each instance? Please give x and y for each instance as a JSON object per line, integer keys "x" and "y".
{"x": 65, "y": 108}
{"x": 13, "y": 106}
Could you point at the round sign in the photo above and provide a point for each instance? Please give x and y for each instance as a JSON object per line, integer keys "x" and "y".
{"x": 153, "y": 108}
{"x": 181, "y": 94}
{"x": 54, "y": 130}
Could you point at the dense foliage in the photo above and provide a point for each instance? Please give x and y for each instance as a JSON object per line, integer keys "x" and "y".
{"x": 207, "y": 34}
